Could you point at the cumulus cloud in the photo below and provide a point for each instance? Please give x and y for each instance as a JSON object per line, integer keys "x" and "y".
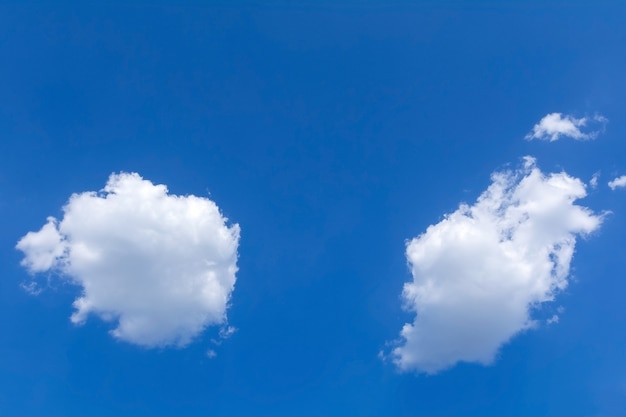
{"x": 479, "y": 273}
{"x": 555, "y": 125}
{"x": 619, "y": 182}
{"x": 161, "y": 267}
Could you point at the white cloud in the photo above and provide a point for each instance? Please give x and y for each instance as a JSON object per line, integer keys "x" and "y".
{"x": 555, "y": 125}
{"x": 618, "y": 182}
{"x": 594, "y": 180}
{"x": 227, "y": 332}
{"x": 478, "y": 274}
{"x": 224, "y": 333}
{"x": 31, "y": 288}
{"x": 161, "y": 266}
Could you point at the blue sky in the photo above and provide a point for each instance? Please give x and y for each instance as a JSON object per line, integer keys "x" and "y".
{"x": 332, "y": 134}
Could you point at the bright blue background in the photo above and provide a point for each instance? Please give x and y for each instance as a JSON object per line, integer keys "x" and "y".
{"x": 331, "y": 133}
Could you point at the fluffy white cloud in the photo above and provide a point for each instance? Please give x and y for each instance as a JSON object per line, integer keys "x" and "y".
{"x": 555, "y": 125}
{"x": 618, "y": 182}
{"x": 479, "y": 272}
{"x": 161, "y": 267}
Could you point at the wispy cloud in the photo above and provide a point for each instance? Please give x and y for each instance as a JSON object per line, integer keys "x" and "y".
{"x": 478, "y": 273}
{"x": 161, "y": 267}
{"x": 224, "y": 333}
{"x": 556, "y": 125}
{"x": 619, "y": 182}
{"x": 593, "y": 183}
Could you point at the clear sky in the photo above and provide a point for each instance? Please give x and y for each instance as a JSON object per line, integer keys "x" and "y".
{"x": 312, "y": 209}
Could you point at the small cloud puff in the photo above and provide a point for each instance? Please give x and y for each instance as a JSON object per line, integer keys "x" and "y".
{"x": 555, "y": 125}
{"x": 161, "y": 266}
{"x": 224, "y": 333}
{"x": 478, "y": 273}
{"x": 619, "y": 182}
